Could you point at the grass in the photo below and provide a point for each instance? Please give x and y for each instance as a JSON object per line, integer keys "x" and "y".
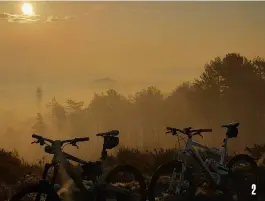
{"x": 15, "y": 172}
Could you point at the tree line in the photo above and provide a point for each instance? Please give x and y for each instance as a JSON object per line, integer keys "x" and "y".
{"x": 229, "y": 89}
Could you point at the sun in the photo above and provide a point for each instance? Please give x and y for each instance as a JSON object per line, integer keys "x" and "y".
{"x": 27, "y": 9}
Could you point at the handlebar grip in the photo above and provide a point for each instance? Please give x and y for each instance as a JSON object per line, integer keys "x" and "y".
{"x": 206, "y": 130}
{"x": 36, "y": 136}
{"x": 82, "y": 139}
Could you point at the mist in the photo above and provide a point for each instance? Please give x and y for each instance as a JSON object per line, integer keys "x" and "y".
{"x": 72, "y": 50}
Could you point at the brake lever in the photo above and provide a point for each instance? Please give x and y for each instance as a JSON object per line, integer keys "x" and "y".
{"x": 35, "y": 142}
{"x": 200, "y": 135}
{"x": 174, "y": 133}
{"x": 75, "y": 145}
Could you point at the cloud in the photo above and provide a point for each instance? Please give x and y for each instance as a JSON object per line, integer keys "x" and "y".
{"x": 3, "y": 16}
{"x": 23, "y": 19}
{"x": 52, "y": 18}
{"x": 19, "y": 18}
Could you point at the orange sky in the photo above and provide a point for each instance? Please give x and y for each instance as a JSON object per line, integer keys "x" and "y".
{"x": 137, "y": 44}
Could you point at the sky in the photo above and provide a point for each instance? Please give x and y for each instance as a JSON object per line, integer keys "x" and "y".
{"x": 68, "y": 45}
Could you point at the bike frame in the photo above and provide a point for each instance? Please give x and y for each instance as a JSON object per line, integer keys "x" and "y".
{"x": 61, "y": 160}
{"x": 56, "y": 166}
{"x": 189, "y": 150}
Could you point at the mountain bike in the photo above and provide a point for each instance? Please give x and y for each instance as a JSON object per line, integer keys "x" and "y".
{"x": 93, "y": 171}
{"x": 216, "y": 174}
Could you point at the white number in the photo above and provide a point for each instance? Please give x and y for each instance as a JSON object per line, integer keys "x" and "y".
{"x": 253, "y": 187}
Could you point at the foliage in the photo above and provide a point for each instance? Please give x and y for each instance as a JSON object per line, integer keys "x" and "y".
{"x": 229, "y": 89}
{"x": 15, "y": 173}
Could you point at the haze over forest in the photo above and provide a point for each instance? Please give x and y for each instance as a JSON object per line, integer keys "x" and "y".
{"x": 73, "y": 49}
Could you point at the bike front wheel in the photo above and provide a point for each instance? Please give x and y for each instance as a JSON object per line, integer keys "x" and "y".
{"x": 126, "y": 183}
{"x": 164, "y": 188}
{"x": 35, "y": 192}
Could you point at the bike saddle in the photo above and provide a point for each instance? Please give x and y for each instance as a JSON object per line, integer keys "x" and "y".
{"x": 109, "y": 133}
{"x": 231, "y": 125}
{"x": 187, "y": 129}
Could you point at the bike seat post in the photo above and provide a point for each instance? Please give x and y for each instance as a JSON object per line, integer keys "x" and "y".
{"x": 224, "y": 150}
{"x": 104, "y": 154}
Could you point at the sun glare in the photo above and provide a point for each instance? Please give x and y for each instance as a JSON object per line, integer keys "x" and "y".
{"x": 27, "y": 9}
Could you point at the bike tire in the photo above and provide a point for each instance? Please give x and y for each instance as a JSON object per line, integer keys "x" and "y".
{"x": 36, "y": 188}
{"x": 245, "y": 158}
{"x": 130, "y": 169}
{"x": 190, "y": 195}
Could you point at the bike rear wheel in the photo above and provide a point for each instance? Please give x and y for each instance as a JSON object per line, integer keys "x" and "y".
{"x": 243, "y": 173}
{"x": 41, "y": 191}
{"x": 161, "y": 181}
{"x": 128, "y": 179}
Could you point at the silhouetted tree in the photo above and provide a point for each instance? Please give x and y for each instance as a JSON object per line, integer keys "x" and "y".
{"x": 76, "y": 116}
{"x": 58, "y": 114}
{"x": 39, "y": 94}
{"x": 39, "y": 126}
{"x": 229, "y": 89}
{"x": 148, "y": 105}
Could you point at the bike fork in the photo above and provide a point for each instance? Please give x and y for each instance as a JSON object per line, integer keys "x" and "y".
{"x": 183, "y": 171}
{"x": 173, "y": 178}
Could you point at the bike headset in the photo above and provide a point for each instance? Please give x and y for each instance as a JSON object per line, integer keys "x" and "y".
{"x": 186, "y": 131}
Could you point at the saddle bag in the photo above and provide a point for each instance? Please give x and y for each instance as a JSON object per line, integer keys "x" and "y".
{"x": 232, "y": 132}
{"x": 110, "y": 142}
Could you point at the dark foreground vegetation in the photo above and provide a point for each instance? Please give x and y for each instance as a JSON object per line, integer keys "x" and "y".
{"x": 15, "y": 172}
{"x": 229, "y": 89}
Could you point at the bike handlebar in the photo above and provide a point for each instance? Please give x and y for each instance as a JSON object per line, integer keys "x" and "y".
{"x": 188, "y": 131}
{"x": 203, "y": 130}
{"x": 42, "y": 140}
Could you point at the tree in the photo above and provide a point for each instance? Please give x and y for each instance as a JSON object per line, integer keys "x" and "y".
{"x": 39, "y": 126}
{"x": 109, "y": 111}
{"x": 147, "y": 107}
{"x": 228, "y": 87}
{"x": 58, "y": 114}
{"x": 179, "y": 106}
{"x": 209, "y": 90}
{"x": 39, "y": 95}
{"x": 74, "y": 106}
{"x": 76, "y": 117}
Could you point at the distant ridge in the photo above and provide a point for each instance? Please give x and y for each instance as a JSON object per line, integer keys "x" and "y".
{"x": 104, "y": 80}
{"x": 104, "y": 83}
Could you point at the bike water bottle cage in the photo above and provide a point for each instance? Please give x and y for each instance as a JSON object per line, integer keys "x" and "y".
{"x": 232, "y": 130}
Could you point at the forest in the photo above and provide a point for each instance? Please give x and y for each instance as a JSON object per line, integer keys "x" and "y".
{"x": 229, "y": 89}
